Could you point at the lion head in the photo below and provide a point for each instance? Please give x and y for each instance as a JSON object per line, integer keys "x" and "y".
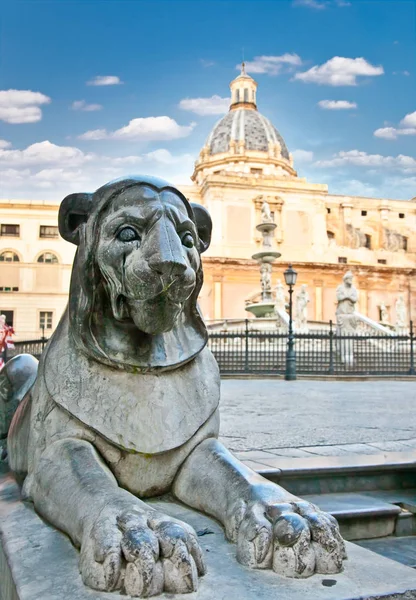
{"x": 137, "y": 273}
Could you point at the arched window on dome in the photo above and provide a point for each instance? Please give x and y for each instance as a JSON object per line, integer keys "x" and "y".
{"x": 49, "y": 258}
{"x": 9, "y": 256}
{"x": 245, "y": 94}
{"x": 237, "y": 95}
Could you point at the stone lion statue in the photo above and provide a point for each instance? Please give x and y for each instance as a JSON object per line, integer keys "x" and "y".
{"x": 123, "y": 406}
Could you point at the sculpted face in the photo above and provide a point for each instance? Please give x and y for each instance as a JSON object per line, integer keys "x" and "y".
{"x": 148, "y": 255}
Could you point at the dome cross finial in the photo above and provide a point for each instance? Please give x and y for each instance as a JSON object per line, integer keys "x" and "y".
{"x": 243, "y": 68}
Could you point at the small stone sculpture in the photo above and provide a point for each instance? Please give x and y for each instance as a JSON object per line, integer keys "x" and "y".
{"x": 384, "y": 315}
{"x": 401, "y": 314}
{"x": 280, "y": 296}
{"x": 125, "y": 406}
{"x": 301, "y": 310}
{"x": 266, "y": 278}
{"x": 266, "y": 215}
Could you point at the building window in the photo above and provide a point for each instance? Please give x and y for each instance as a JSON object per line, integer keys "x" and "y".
{"x": 10, "y": 230}
{"x": 217, "y": 172}
{"x": 401, "y": 215}
{"x": 48, "y": 231}
{"x": 331, "y": 235}
{"x": 9, "y": 256}
{"x": 48, "y": 257}
{"x": 253, "y": 96}
{"x": 8, "y": 289}
{"x": 237, "y": 95}
{"x": 256, "y": 171}
{"x": 45, "y": 320}
{"x": 328, "y": 210}
{"x": 245, "y": 95}
{"x": 342, "y": 259}
{"x": 404, "y": 243}
{"x": 367, "y": 241}
{"x": 382, "y": 261}
{"x": 363, "y": 213}
{"x": 9, "y": 314}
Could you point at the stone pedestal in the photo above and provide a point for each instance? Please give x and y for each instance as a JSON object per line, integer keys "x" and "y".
{"x": 39, "y": 563}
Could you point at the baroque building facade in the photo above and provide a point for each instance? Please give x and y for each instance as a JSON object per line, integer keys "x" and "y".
{"x": 244, "y": 162}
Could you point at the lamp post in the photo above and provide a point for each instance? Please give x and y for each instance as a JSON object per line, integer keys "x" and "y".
{"x": 290, "y": 373}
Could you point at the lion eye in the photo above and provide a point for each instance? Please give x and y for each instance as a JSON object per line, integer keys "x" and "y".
{"x": 188, "y": 240}
{"x": 128, "y": 234}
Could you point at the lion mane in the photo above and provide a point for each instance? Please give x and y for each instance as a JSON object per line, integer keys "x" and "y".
{"x": 79, "y": 220}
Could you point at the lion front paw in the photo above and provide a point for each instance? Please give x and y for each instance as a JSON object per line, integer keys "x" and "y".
{"x": 143, "y": 553}
{"x": 295, "y": 539}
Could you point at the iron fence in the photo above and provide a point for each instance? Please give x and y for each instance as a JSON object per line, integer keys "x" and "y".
{"x": 323, "y": 352}
{"x": 317, "y": 353}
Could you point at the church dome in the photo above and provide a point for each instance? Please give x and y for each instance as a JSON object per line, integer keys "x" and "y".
{"x": 248, "y": 126}
{"x": 244, "y": 142}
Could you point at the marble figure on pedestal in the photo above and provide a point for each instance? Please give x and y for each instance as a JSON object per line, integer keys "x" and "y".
{"x": 125, "y": 407}
{"x": 401, "y": 314}
{"x": 301, "y": 309}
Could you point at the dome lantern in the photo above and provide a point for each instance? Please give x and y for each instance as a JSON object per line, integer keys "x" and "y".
{"x": 243, "y": 91}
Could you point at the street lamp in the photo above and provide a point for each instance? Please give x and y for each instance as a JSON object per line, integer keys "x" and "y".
{"x": 290, "y": 373}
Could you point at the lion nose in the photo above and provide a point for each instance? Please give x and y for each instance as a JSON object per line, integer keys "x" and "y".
{"x": 170, "y": 267}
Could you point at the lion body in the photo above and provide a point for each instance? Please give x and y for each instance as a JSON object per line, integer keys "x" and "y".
{"x": 144, "y": 425}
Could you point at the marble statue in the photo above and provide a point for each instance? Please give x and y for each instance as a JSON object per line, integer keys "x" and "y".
{"x": 301, "y": 309}
{"x": 347, "y": 297}
{"x": 384, "y": 315}
{"x": 266, "y": 279}
{"x": 280, "y": 296}
{"x": 125, "y": 407}
{"x": 347, "y": 322}
{"x": 266, "y": 215}
{"x": 401, "y": 314}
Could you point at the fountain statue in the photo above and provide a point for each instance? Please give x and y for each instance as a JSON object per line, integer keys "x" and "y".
{"x": 267, "y": 256}
{"x": 301, "y": 310}
{"x": 347, "y": 297}
{"x": 384, "y": 315}
{"x": 401, "y": 315}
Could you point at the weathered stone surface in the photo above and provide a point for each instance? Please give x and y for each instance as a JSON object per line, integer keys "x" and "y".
{"x": 124, "y": 407}
{"x": 39, "y": 563}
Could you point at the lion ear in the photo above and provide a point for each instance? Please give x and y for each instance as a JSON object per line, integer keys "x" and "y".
{"x": 73, "y": 212}
{"x": 204, "y": 225}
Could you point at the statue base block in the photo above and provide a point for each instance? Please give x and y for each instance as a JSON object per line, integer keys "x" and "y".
{"x": 39, "y": 563}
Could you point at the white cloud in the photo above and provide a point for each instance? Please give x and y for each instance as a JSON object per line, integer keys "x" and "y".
{"x": 406, "y": 73}
{"x": 44, "y": 153}
{"x": 358, "y": 158}
{"x": 83, "y": 105}
{"x": 105, "y": 80}
{"x": 272, "y": 65}
{"x": 4, "y": 144}
{"x": 321, "y": 4}
{"x": 207, "y": 63}
{"x": 206, "y": 106}
{"x": 340, "y": 71}
{"x": 302, "y": 156}
{"x": 21, "y": 106}
{"x": 47, "y": 171}
{"x": 316, "y": 4}
{"x": 407, "y": 126}
{"x": 336, "y": 104}
{"x": 409, "y": 120}
{"x": 143, "y": 129}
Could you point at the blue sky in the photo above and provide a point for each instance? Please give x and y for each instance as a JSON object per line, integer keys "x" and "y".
{"x": 95, "y": 90}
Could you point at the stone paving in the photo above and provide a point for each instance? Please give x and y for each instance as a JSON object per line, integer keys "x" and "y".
{"x": 262, "y": 419}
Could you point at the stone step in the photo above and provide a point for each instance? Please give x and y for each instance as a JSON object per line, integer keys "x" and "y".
{"x": 400, "y": 549}
{"x": 359, "y": 516}
{"x": 340, "y": 474}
